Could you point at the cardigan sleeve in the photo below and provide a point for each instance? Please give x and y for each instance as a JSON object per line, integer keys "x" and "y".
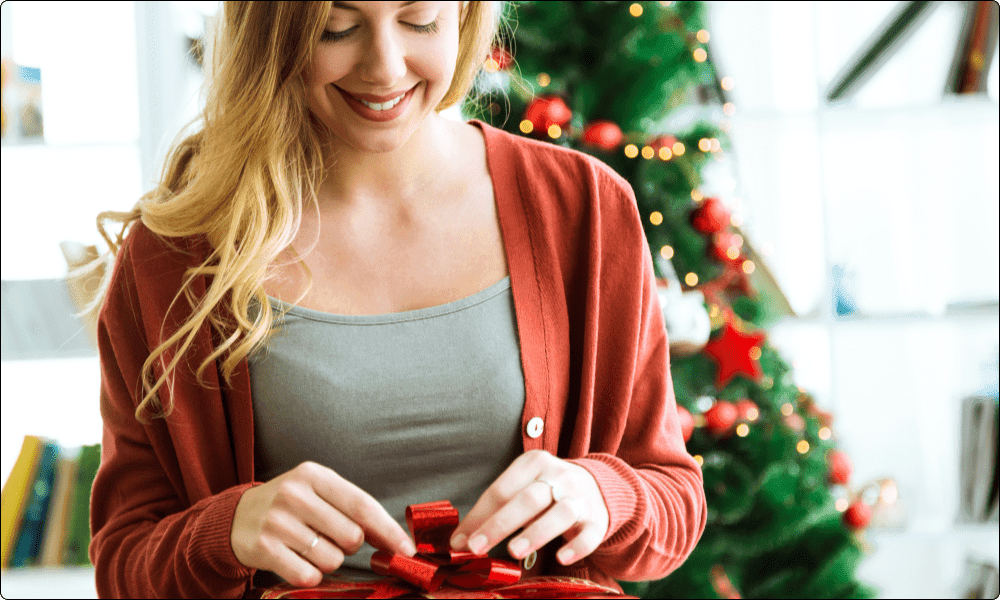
{"x": 652, "y": 486}
{"x": 149, "y": 539}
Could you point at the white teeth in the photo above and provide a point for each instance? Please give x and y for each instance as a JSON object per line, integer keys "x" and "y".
{"x": 384, "y": 105}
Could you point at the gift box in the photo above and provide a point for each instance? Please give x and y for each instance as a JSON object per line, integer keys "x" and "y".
{"x": 437, "y": 571}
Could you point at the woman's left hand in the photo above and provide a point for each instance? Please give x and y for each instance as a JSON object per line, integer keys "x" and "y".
{"x": 572, "y": 506}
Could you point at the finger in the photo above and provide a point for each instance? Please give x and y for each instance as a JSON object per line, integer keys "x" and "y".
{"x": 562, "y": 517}
{"x": 326, "y": 520}
{"x": 525, "y": 469}
{"x": 380, "y": 529}
{"x": 325, "y": 555}
{"x": 532, "y": 500}
{"x": 582, "y": 545}
{"x": 293, "y": 568}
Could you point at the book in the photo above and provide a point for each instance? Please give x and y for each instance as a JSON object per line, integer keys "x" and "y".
{"x": 15, "y": 494}
{"x": 29, "y": 539}
{"x": 78, "y": 528}
{"x": 58, "y": 517}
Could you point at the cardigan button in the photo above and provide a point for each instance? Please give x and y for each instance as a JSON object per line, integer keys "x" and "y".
{"x": 535, "y": 427}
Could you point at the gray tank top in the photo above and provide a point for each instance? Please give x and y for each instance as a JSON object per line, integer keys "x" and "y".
{"x": 411, "y": 407}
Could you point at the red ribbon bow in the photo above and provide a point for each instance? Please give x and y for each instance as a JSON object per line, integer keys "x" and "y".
{"x": 432, "y": 524}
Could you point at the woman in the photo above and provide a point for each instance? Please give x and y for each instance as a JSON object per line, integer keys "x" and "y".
{"x": 460, "y": 314}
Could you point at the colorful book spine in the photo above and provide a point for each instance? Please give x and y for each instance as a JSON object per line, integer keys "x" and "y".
{"x": 29, "y": 541}
{"x": 15, "y": 495}
{"x": 58, "y": 518}
{"x": 78, "y": 529}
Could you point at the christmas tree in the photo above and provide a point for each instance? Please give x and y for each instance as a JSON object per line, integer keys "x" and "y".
{"x": 633, "y": 84}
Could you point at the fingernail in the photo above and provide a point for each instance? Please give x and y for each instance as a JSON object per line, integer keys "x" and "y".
{"x": 565, "y": 556}
{"x": 478, "y": 544}
{"x": 518, "y": 547}
{"x": 458, "y": 541}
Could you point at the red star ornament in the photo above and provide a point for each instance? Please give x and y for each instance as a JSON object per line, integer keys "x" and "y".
{"x": 732, "y": 351}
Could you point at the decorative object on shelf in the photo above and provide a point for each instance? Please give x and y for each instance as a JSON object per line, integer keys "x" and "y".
{"x": 437, "y": 571}
{"x": 21, "y": 94}
{"x": 978, "y": 467}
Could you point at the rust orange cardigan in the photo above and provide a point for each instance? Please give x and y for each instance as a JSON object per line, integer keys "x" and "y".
{"x": 594, "y": 355}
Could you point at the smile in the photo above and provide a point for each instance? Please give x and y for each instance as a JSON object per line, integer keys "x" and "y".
{"x": 376, "y": 108}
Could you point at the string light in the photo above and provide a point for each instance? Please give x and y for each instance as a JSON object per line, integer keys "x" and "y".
{"x": 631, "y": 151}
{"x": 526, "y": 126}
{"x": 752, "y": 414}
{"x": 702, "y": 36}
{"x": 635, "y": 10}
{"x": 678, "y": 148}
{"x": 704, "y": 144}
{"x": 716, "y": 145}
{"x": 667, "y": 252}
{"x": 665, "y": 153}
{"x": 491, "y": 65}
{"x": 648, "y": 152}
{"x": 825, "y": 433}
{"x": 727, "y": 83}
{"x": 697, "y": 196}
{"x": 802, "y": 446}
{"x": 733, "y": 253}
{"x": 755, "y": 353}
{"x": 767, "y": 383}
{"x": 698, "y": 459}
{"x": 742, "y": 430}
{"x": 787, "y": 408}
{"x": 700, "y": 55}
{"x": 841, "y": 504}
{"x": 554, "y": 131}
{"x": 736, "y": 220}
{"x": 691, "y": 279}
{"x": 729, "y": 109}
{"x": 544, "y": 79}
{"x": 656, "y": 217}
{"x": 748, "y": 266}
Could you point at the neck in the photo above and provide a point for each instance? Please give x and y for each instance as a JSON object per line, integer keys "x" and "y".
{"x": 398, "y": 177}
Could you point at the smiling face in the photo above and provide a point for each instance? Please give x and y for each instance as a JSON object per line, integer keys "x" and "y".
{"x": 381, "y": 69}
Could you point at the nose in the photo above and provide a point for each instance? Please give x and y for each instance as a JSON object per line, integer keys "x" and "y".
{"x": 384, "y": 60}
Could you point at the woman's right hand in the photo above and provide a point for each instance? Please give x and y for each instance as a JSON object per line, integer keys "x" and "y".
{"x": 276, "y": 522}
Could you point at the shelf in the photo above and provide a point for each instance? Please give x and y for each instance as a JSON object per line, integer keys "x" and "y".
{"x": 48, "y": 582}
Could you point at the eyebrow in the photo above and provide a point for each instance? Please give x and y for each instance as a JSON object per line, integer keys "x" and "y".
{"x": 346, "y": 6}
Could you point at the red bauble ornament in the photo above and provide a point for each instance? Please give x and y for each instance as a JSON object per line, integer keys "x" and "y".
{"x": 795, "y": 422}
{"x": 605, "y": 135}
{"x": 664, "y": 141}
{"x": 840, "y": 467}
{"x": 732, "y": 351}
{"x": 721, "y": 417}
{"x": 857, "y": 516}
{"x": 501, "y": 57}
{"x": 546, "y": 111}
{"x": 710, "y": 217}
{"x": 722, "y": 243}
{"x": 687, "y": 422}
{"x": 747, "y": 410}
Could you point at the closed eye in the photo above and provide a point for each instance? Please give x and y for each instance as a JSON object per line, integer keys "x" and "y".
{"x": 333, "y": 36}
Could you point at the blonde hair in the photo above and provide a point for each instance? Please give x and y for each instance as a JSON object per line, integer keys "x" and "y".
{"x": 243, "y": 178}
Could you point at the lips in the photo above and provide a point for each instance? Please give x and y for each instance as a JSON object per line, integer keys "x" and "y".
{"x": 387, "y": 106}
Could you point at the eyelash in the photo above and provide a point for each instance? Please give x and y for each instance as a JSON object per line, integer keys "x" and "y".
{"x": 333, "y": 36}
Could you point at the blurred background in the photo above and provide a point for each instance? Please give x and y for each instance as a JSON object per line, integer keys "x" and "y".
{"x": 870, "y": 195}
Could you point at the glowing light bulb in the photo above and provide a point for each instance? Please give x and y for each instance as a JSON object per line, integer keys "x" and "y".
{"x": 544, "y": 79}
{"x": 491, "y": 65}
{"x": 729, "y": 109}
{"x": 727, "y": 83}
{"x": 656, "y": 217}
{"x": 635, "y": 10}
{"x": 802, "y": 446}
{"x": 748, "y": 266}
{"x": 678, "y": 148}
{"x": 841, "y": 504}
{"x": 702, "y": 36}
{"x": 665, "y": 153}
{"x": 753, "y": 414}
{"x": 742, "y": 429}
{"x": 526, "y": 126}
{"x": 697, "y": 196}
{"x": 698, "y": 459}
{"x": 631, "y": 151}
{"x": 716, "y": 145}
{"x": 736, "y": 220}
{"x": 700, "y": 55}
{"x": 787, "y": 408}
{"x": 733, "y": 253}
{"x": 754, "y": 353}
{"x": 691, "y": 279}
{"x": 704, "y": 144}
{"x": 825, "y": 433}
{"x": 648, "y": 152}
{"x": 554, "y": 131}
{"x": 667, "y": 252}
